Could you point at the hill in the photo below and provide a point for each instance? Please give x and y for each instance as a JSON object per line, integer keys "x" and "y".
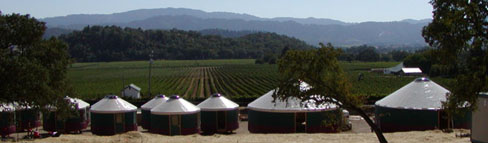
{"x": 112, "y": 43}
{"x": 311, "y": 30}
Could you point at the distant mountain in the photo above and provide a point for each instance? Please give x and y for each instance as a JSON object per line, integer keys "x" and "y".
{"x": 311, "y": 30}
{"x": 413, "y": 21}
{"x": 310, "y": 20}
{"x": 373, "y": 33}
{"x": 134, "y": 15}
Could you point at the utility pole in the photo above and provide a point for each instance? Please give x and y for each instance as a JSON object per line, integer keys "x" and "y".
{"x": 150, "y": 68}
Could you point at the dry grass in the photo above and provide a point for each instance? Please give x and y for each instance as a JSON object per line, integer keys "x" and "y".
{"x": 434, "y": 136}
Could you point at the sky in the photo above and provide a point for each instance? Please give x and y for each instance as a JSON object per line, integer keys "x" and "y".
{"x": 344, "y": 10}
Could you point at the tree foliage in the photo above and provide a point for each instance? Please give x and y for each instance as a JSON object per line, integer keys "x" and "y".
{"x": 423, "y": 60}
{"x": 33, "y": 70}
{"x": 320, "y": 69}
{"x": 111, "y": 43}
{"x": 363, "y": 53}
{"x": 398, "y": 55}
{"x": 459, "y": 33}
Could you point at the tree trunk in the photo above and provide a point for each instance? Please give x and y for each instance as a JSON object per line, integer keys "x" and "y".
{"x": 371, "y": 124}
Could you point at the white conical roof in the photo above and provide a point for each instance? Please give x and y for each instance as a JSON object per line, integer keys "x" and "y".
{"x": 7, "y": 107}
{"x": 421, "y": 93}
{"x": 154, "y": 102}
{"x": 291, "y": 104}
{"x": 19, "y": 106}
{"x": 217, "y": 102}
{"x": 175, "y": 105}
{"x": 112, "y": 104}
{"x": 80, "y": 104}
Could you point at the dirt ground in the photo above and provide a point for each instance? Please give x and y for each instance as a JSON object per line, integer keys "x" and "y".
{"x": 359, "y": 133}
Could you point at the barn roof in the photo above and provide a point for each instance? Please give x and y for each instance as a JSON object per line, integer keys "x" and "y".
{"x": 154, "y": 102}
{"x": 175, "y": 105}
{"x": 411, "y": 70}
{"x": 420, "y": 94}
{"x": 217, "y": 102}
{"x": 112, "y": 104}
{"x": 291, "y": 104}
{"x": 133, "y": 86}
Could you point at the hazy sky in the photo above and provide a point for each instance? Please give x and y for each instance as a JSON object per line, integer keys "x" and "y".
{"x": 344, "y": 10}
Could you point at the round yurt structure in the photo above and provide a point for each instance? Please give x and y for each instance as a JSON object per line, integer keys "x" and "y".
{"x": 479, "y": 128}
{"x": 292, "y": 116}
{"x": 146, "y": 110}
{"x": 113, "y": 115}
{"x": 218, "y": 114}
{"x": 176, "y": 116}
{"x": 27, "y": 117}
{"x": 416, "y": 106}
{"x": 7, "y": 119}
{"x": 75, "y": 123}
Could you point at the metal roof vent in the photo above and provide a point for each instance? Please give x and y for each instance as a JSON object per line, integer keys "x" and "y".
{"x": 422, "y": 79}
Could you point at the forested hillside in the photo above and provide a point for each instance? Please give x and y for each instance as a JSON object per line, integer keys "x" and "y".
{"x": 112, "y": 43}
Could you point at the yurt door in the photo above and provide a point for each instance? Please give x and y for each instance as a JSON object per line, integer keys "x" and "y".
{"x": 443, "y": 120}
{"x": 221, "y": 120}
{"x": 119, "y": 123}
{"x": 175, "y": 124}
{"x": 300, "y": 122}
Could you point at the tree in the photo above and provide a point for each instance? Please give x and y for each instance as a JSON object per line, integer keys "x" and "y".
{"x": 321, "y": 70}
{"x": 112, "y": 43}
{"x": 33, "y": 70}
{"x": 459, "y": 33}
{"x": 368, "y": 54}
{"x": 422, "y": 60}
{"x": 398, "y": 55}
{"x": 363, "y": 53}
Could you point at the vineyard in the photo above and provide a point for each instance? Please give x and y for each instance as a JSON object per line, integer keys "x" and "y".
{"x": 197, "y": 79}
{"x": 190, "y": 79}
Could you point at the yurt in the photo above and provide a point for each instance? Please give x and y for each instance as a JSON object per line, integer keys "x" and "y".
{"x": 292, "y": 116}
{"x": 74, "y": 123}
{"x": 218, "y": 114}
{"x": 7, "y": 119}
{"x": 479, "y": 128}
{"x": 175, "y": 117}
{"x": 27, "y": 117}
{"x": 415, "y": 106}
{"x": 113, "y": 115}
{"x": 146, "y": 110}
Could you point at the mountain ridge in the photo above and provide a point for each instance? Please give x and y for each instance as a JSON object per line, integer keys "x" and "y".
{"x": 312, "y": 30}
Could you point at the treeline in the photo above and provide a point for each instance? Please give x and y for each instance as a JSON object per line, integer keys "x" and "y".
{"x": 227, "y": 33}
{"x": 430, "y": 63}
{"x": 427, "y": 59}
{"x": 112, "y": 43}
{"x": 367, "y": 53}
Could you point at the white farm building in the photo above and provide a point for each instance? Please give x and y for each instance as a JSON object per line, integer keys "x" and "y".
{"x": 132, "y": 91}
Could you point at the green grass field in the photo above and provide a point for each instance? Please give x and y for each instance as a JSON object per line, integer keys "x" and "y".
{"x": 197, "y": 79}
